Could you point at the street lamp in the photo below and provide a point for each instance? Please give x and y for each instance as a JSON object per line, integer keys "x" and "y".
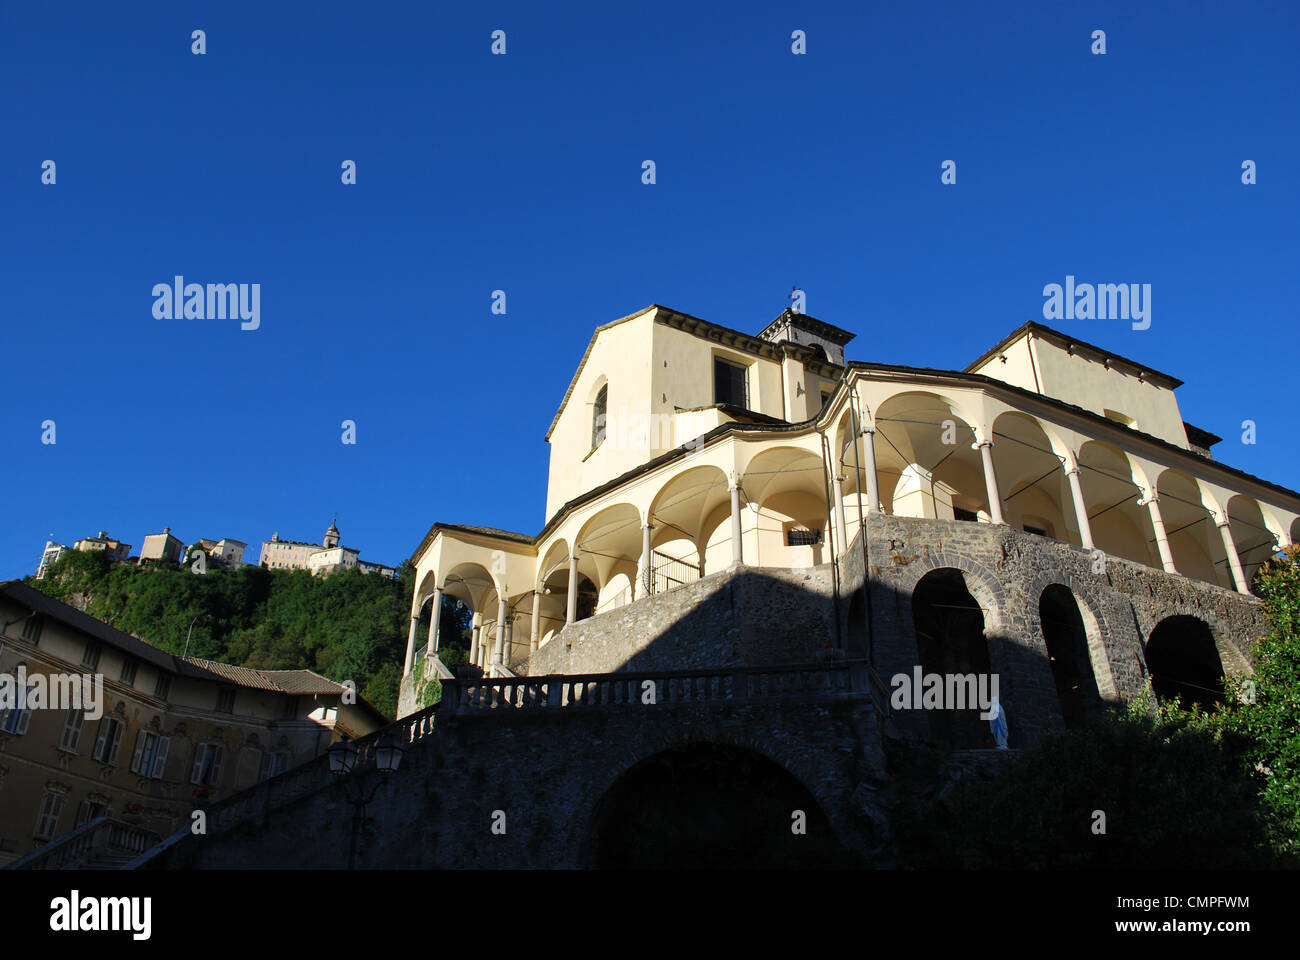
{"x": 343, "y": 760}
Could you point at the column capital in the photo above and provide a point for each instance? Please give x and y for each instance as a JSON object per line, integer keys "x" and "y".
{"x": 1072, "y": 472}
{"x": 1146, "y": 501}
{"x": 979, "y": 444}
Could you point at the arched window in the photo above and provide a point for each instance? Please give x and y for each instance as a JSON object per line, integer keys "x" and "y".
{"x": 598, "y": 417}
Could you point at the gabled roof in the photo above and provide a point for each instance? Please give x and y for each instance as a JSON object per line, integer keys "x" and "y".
{"x": 291, "y": 682}
{"x": 1073, "y": 344}
{"x": 709, "y": 330}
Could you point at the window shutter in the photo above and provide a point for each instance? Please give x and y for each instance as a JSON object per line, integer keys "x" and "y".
{"x": 197, "y": 771}
{"x": 24, "y": 718}
{"x": 267, "y": 760}
{"x": 140, "y": 739}
{"x": 100, "y": 735}
{"x": 216, "y": 766}
{"x": 118, "y": 727}
{"x": 160, "y": 758}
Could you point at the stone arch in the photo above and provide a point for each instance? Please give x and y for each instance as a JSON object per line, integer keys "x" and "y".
{"x": 1254, "y": 541}
{"x": 689, "y": 509}
{"x": 924, "y": 451}
{"x": 1032, "y": 478}
{"x": 1112, "y": 484}
{"x": 784, "y": 490}
{"x": 1103, "y": 638}
{"x": 551, "y": 585}
{"x": 1189, "y": 525}
{"x": 951, "y": 629}
{"x": 1184, "y": 662}
{"x": 607, "y": 544}
{"x": 1069, "y": 648}
{"x": 472, "y": 583}
{"x": 793, "y": 763}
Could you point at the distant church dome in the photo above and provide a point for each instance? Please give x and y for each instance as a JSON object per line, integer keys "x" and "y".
{"x": 332, "y": 535}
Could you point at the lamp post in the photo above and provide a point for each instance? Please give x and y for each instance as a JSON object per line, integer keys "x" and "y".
{"x": 343, "y": 759}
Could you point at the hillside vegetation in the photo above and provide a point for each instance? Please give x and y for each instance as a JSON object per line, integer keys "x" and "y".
{"x": 346, "y": 626}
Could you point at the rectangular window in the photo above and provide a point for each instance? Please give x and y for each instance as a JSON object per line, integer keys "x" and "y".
{"x": 15, "y": 720}
{"x": 32, "y": 628}
{"x": 150, "y": 756}
{"x": 89, "y": 810}
{"x": 207, "y": 765}
{"x": 273, "y": 764}
{"x": 226, "y": 700}
{"x": 47, "y": 823}
{"x": 128, "y": 671}
{"x": 960, "y": 514}
{"x": 795, "y": 537}
{"x": 71, "y": 736}
{"x": 163, "y": 687}
{"x": 90, "y": 657}
{"x": 729, "y": 383}
{"x": 108, "y": 740}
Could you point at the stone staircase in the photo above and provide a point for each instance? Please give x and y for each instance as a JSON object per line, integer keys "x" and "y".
{"x": 100, "y": 844}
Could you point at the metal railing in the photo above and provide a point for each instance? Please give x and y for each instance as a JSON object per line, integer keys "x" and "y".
{"x": 669, "y": 573}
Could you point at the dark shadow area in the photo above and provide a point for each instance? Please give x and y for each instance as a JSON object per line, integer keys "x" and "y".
{"x": 1067, "y": 646}
{"x": 1184, "y": 663}
{"x": 1120, "y": 792}
{"x": 950, "y": 641}
{"x": 713, "y": 807}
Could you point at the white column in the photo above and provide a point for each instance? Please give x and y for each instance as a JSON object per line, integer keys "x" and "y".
{"x": 537, "y": 615}
{"x": 647, "y": 561}
{"x": 737, "y": 552}
{"x": 508, "y": 647}
{"x": 1234, "y": 561}
{"x": 840, "y": 529}
{"x": 435, "y": 617}
{"x": 571, "y": 613}
{"x": 475, "y": 625}
{"x": 869, "y": 468}
{"x": 1162, "y": 540}
{"x": 498, "y": 649}
{"x": 1080, "y": 508}
{"x": 410, "y": 645}
{"x": 991, "y": 481}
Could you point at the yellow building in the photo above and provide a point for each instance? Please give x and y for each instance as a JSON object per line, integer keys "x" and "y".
{"x": 103, "y": 543}
{"x": 682, "y": 448}
{"x": 172, "y": 734}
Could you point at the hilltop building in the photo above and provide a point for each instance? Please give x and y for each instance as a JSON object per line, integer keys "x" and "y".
{"x": 224, "y": 552}
{"x": 321, "y": 558}
{"x": 115, "y": 548}
{"x": 161, "y": 546}
{"x": 51, "y": 555}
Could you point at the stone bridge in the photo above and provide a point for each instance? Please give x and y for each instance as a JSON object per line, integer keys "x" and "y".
{"x": 538, "y": 772}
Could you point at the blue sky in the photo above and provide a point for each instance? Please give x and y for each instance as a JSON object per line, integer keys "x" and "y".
{"x": 523, "y": 173}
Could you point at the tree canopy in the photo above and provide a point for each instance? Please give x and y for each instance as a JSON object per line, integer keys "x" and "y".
{"x": 345, "y": 626}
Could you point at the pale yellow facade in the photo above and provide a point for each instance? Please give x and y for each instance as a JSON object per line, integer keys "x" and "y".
{"x": 174, "y": 735}
{"x": 1044, "y": 433}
